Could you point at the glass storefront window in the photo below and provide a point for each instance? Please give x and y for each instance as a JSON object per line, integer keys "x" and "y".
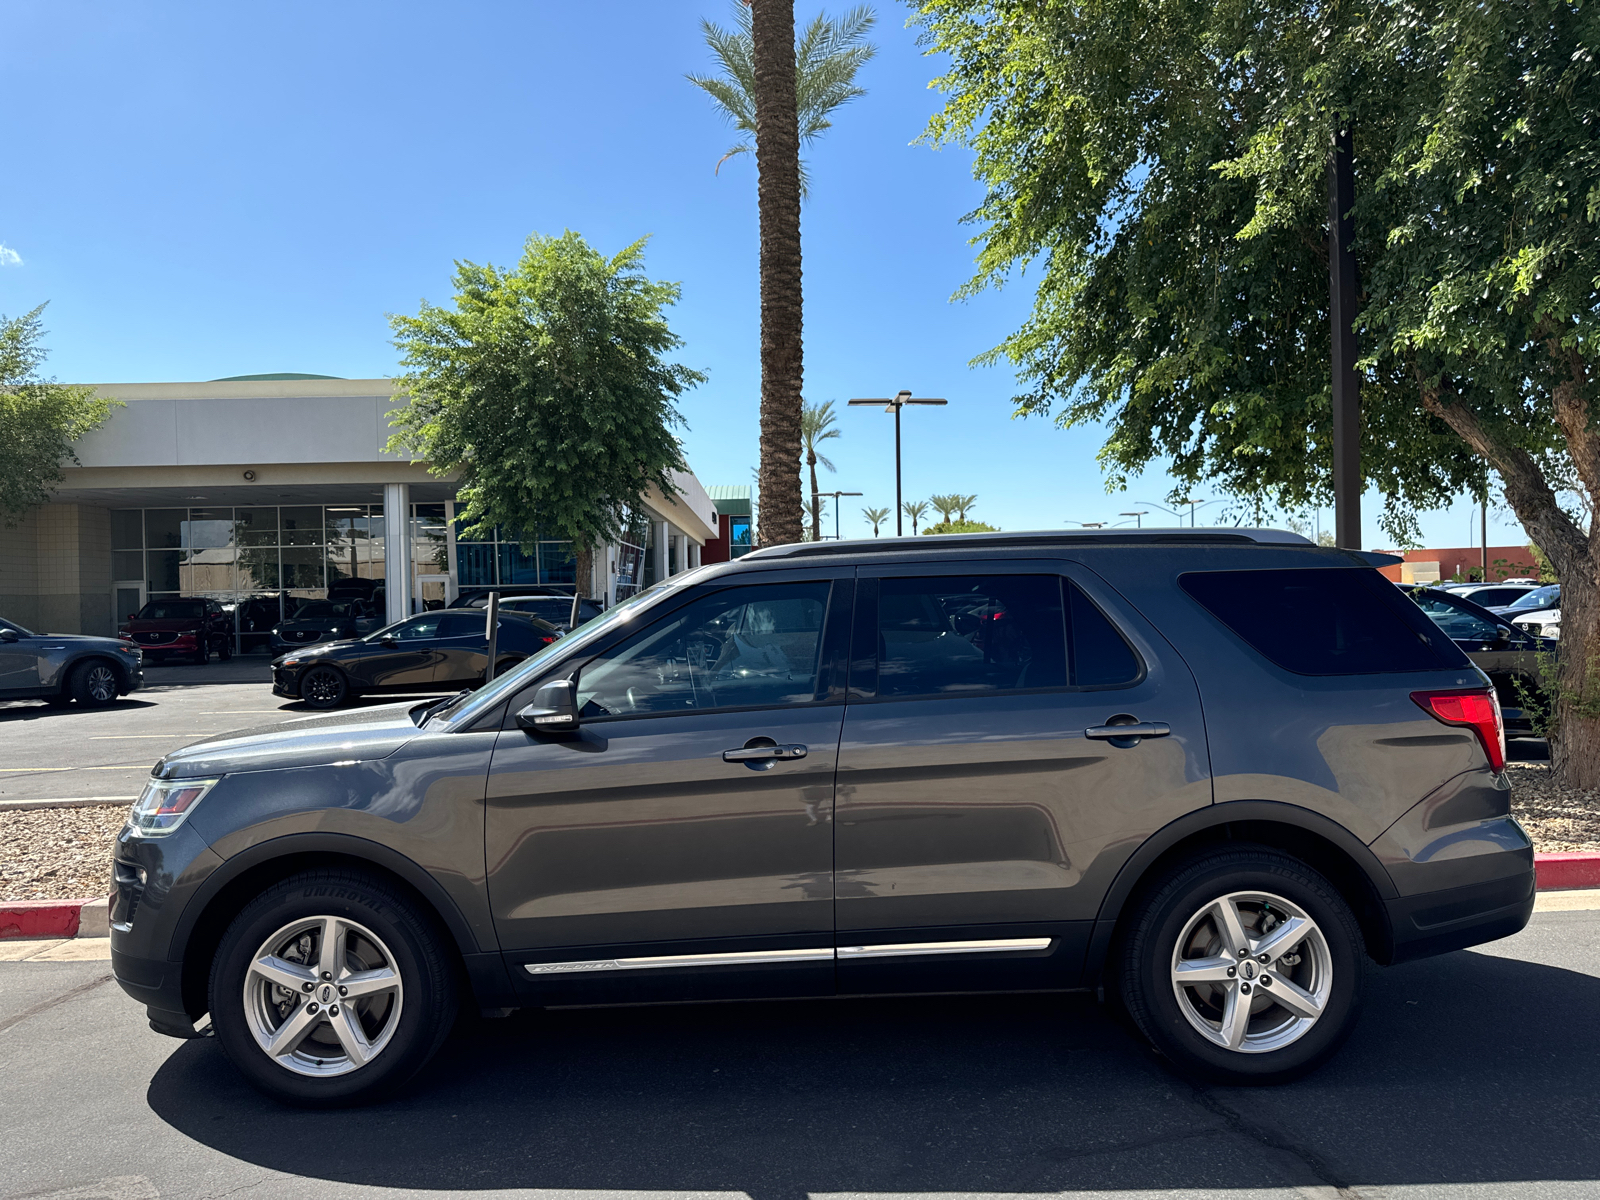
{"x": 517, "y": 567}
{"x": 557, "y": 563}
{"x": 302, "y": 569}
{"x": 208, "y": 528}
{"x": 163, "y": 528}
{"x": 256, "y": 526}
{"x": 475, "y": 564}
{"x": 258, "y": 569}
{"x": 127, "y": 533}
{"x": 127, "y": 564}
{"x": 162, "y": 569}
{"x": 302, "y": 527}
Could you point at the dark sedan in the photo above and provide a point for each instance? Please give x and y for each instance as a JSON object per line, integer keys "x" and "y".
{"x": 440, "y": 651}
{"x": 1507, "y": 653}
{"x": 61, "y": 668}
{"x": 323, "y": 621}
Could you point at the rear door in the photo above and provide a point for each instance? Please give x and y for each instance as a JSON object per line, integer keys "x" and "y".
{"x": 463, "y": 647}
{"x": 984, "y": 802}
{"x": 680, "y": 843}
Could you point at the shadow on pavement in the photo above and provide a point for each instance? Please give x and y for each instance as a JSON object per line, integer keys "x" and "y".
{"x": 1466, "y": 1069}
{"x": 32, "y": 710}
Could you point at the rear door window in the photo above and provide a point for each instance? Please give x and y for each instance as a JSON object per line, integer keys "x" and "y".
{"x": 1324, "y": 621}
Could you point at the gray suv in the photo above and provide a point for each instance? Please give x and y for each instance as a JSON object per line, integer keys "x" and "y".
{"x": 62, "y": 667}
{"x": 1211, "y": 773}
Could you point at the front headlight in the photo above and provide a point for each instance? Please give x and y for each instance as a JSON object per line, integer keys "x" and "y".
{"x": 290, "y": 662}
{"x": 164, "y": 804}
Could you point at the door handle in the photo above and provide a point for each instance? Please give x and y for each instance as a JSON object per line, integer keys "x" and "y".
{"x": 1137, "y": 729}
{"x": 760, "y": 753}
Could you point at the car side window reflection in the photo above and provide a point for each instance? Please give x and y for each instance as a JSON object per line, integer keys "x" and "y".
{"x": 422, "y": 627}
{"x": 744, "y": 647}
{"x": 1458, "y": 624}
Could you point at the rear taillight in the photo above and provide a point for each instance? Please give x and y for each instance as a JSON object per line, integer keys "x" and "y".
{"x": 1476, "y": 708}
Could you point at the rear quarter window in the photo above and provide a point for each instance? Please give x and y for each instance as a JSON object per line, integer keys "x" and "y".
{"x": 1325, "y": 621}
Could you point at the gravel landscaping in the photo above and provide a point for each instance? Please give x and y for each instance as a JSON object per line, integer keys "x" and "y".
{"x": 65, "y": 853}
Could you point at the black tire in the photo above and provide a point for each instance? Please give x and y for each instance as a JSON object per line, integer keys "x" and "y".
{"x": 325, "y": 687}
{"x": 203, "y": 655}
{"x": 226, "y": 653}
{"x": 93, "y": 684}
{"x": 1173, "y": 908}
{"x": 411, "y": 944}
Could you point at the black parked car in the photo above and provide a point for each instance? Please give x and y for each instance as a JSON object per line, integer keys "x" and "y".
{"x": 547, "y": 604}
{"x": 1212, "y": 773}
{"x": 63, "y": 667}
{"x": 439, "y": 651}
{"x": 1508, "y": 653}
{"x": 323, "y": 621}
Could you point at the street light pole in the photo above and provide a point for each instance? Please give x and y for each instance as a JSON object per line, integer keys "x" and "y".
{"x": 835, "y": 495}
{"x": 900, "y": 399}
{"x": 1139, "y": 518}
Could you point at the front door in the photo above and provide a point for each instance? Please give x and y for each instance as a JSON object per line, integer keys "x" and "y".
{"x": 407, "y": 659}
{"x": 681, "y": 842}
{"x": 19, "y": 661}
{"x": 983, "y": 805}
{"x": 127, "y": 598}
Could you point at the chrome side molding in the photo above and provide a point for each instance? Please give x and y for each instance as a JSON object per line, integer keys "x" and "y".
{"x": 772, "y": 957}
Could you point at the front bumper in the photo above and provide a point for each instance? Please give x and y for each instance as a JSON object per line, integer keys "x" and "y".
{"x": 286, "y": 682}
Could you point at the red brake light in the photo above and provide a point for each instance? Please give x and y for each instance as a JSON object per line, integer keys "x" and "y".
{"x": 1477, "y": 708}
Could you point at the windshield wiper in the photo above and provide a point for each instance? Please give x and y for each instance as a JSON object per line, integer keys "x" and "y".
{"x": 440, "y": 707}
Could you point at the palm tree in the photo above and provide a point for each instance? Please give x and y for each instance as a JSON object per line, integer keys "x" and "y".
{"x": 781, "y": 93}
{"x": 875, "y": 517}
{"x": 816, "y": 425}
{"x": 945, "y": 506}
{"x": 963, "y": 503}
{"x": 916, "y": 510}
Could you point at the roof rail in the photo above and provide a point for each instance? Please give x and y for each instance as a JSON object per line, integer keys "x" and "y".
{"x": 1040, "y": 538}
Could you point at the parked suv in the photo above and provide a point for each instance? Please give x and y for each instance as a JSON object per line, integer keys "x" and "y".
{"x": 63, "y": 667}
{"x": 1209, "y": 772}
{"x": 187, "y": 628}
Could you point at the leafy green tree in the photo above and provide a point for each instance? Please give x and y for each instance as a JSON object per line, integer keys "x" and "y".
{"x": 960, "y": 527}
{"x": 875, "y": 517}
{"x": 780, "y": 92}
{"x": 914, "y": 510}
{"x": 1165, "y": 163}
{"x": 40, "y": 419}
{"x": 547, "y": 387}
{"x": 816, "y": 426}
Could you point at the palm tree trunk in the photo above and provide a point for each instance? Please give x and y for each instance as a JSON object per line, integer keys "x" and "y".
{"x": 816, "y": 500}
{"x": 782, "y": 363}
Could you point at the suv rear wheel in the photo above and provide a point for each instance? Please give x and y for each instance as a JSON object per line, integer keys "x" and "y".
{"x": 330, "y": 988}
{"x": 1245, "y": 966}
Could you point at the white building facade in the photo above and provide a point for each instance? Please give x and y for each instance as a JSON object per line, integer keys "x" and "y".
{"x": 251, "y": 487}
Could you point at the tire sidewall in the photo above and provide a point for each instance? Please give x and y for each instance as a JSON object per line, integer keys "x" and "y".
{"x": 426, "y": 995}
{"x": 1155, "y": 1006}
{"x": 79, "y": 684}
{"x": 344, "y": 688}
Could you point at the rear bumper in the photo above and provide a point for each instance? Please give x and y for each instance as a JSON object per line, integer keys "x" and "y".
{"x": 1438, "y": 922}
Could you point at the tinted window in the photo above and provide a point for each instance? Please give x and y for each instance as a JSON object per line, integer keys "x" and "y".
{"x": 172, "y": 610}
{"x": 548, "y": 609}
{"x": 458, "y": 624}
{"x": 1545, "y": 597}
{"x": 963, "y": 635}
{"x": 1323, "y": 621}
{"x": 419, "y": 627}
{"x": 1489, "y": 596}
{"x": 749, "y": 646}
{"x": 1453, "y": 617}
{"x": 1101, "y": 657}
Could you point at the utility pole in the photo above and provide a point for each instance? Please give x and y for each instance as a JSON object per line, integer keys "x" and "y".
{"x": 900, "y": 400}
{"x": 1342, "y": 292}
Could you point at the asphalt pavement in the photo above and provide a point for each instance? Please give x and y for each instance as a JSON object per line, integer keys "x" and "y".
{"x": 1470, "y": 1075}
{"x": 107, "y": 753}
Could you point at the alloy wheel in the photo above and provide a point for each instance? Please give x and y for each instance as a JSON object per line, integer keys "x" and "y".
{"x": 1252, "y": 972}
{"x": 322, "y": 996}
{"x": 101, "y": 684}
{"x": 322, "y": 686}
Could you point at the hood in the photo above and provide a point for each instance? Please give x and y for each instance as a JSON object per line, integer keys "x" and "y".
{"x": 149, "y": 623}
{"x": 370, "y": 733}
{"x": 84, "y": 639}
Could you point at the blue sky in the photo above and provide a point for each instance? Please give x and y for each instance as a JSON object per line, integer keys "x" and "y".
{"x": 203, "y": 190}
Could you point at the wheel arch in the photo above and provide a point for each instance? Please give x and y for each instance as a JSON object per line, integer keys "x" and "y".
{"x": 123, "y": 673}
{"x": 1322, "y": 844}
{"x": 231, "y": 886}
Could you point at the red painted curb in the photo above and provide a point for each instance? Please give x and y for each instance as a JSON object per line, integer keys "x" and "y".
{"x": 1579, "y": 869}
{"x": 40, "y": 918}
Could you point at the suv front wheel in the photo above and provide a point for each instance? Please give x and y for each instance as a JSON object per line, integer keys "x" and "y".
{"x": 1245, "y": 966}
{"x": 330, "y": 988}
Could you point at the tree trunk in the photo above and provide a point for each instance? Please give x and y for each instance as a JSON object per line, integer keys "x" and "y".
{"x": 583, "y": 569}
{"x": 782, "y": 366}
{"x": 1575, "y": 736}
{"x": 816, "y": 500}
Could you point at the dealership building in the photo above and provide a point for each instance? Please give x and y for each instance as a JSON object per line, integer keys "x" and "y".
{"x": 280, "y": 484}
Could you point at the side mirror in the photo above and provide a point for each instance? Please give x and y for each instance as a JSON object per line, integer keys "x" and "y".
{"x": 554, "y": 708}
{"x": 1502, "y": 636}
{"x": 387, "y": 641}
{"x": 9, "y": 635}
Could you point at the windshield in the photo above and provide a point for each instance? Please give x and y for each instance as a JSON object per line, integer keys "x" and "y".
{"x": 467, "y": 708}
{"x": 1543, "y": 597}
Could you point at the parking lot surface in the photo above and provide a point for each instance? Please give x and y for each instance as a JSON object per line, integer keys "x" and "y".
{"x": 73, "y": 752}
{"x": 1470, "y": 1075}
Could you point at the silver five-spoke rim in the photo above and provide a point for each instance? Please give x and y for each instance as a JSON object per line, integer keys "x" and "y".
{"x": 322, "y": 996}
{"x": 1252, "y": 972}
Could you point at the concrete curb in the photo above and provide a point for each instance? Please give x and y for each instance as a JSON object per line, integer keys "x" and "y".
{"x": 91, "y": 918}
